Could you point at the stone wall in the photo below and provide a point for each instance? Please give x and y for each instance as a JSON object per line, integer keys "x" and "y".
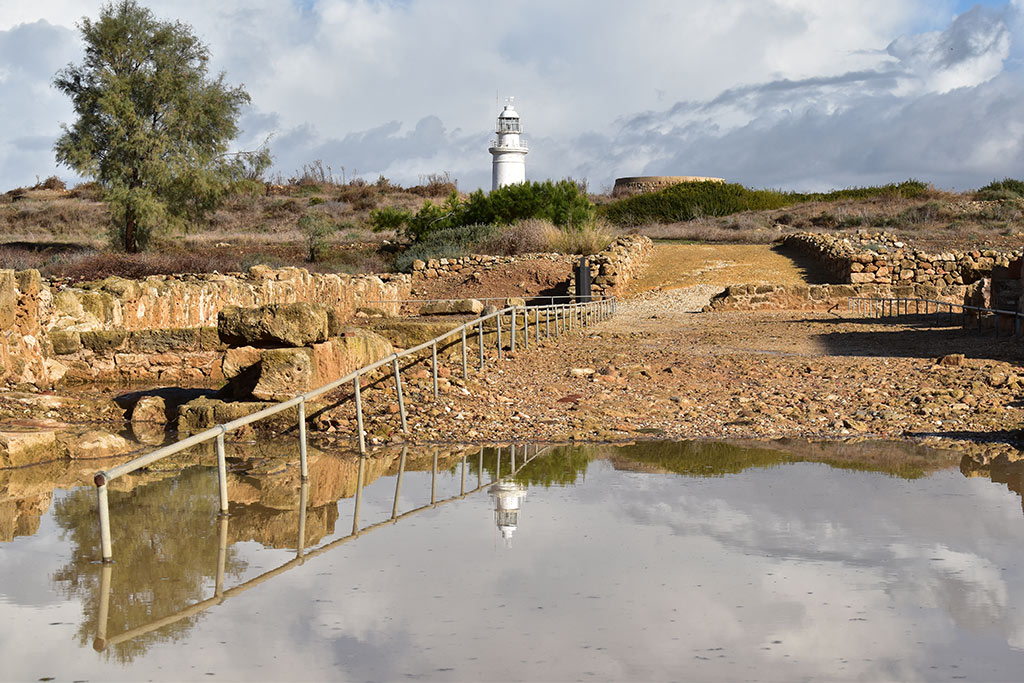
{"x": 653, "y": 183}
{"x": 824, "y": 297}
{"x": 172, "y": 356}
{"x": 882, "y": 258}
{"x": 39, "y": 319}
{"x": 435, "y": 268}
{"x": 612, "y": 269}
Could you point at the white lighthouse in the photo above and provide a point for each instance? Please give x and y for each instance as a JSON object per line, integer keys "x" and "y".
{"x": 509, "y": 151}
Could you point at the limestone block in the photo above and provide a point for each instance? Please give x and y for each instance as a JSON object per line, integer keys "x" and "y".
{"x": 160, "y": 341}
{"x": 26, "y": 448}
{"x": 515, "y": 301}
{"x": 97, "y": 444}
{"x": 8, "y": 299}
{"x": 238, "y": 360}
{"x": 30, "y": 282}
{"x": 203, "y": 413}
{"x": 65, "y": 341}
{"x": 103, "y": 340}
{"x": 152, "y": 409}
{"x": 462, "y": 306}
{"x": 68, "y": 304}
{"x": 296, "y": 324}
{"x": 283, "y": 373}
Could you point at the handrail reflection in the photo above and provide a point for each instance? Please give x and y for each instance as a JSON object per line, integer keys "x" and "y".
{"x": 102, "y": 641}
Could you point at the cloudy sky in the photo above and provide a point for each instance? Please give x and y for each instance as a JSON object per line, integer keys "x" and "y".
{"x": 801, "y": 94}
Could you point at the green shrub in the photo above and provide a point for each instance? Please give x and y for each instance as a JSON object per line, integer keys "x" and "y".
{"x": 451, "y": 242}
{"x": 316, "y": 226}
{"x": 1007, "y": 188}
{"x": 563, "y": 203}
{"x": 687, "y": 201}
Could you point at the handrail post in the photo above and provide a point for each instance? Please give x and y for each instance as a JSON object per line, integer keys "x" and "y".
{"x": 465, "y": 363}
{"x": 106, "y": 574}
{"x": 433, "y": 365}
{"x": 537, "y": 326}
{"x": 101, "y": 503}
{"x": 512, "y": 331}
{"x": 498, "y": 318}
{"x": 526, "y": 328}
{"x": 359, "y": 495}
{"x": 303, "y": 458}
{"x": 359, "y": 414}
{"x": 480, "y": 339}
{"x": 222, "y": 470}
{"x": 303, "y": 502}
{"x": 401, "y": 398}
{"x": 547, "y": 323}
{"x": 433, "y": 480}
{"x": 398, "y": 482}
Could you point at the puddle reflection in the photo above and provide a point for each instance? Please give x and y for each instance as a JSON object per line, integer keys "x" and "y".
{"x": 652, "y": 560}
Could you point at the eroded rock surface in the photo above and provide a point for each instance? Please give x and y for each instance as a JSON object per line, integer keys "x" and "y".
{"x": 295, "y": 324}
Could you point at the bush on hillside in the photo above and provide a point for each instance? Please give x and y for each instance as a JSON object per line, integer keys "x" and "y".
{"x": 563, "y": 203}
{"x": 1007, "y": 188}
{"x": 449, "y": 242}
{"x": 687, "y": 201}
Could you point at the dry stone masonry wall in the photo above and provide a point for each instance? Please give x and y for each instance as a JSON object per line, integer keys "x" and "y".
{"x": 612, "y": 269}
{"x": 435, "y": 268}
{"x": 882, "y": 258}
{"x": 125, "y": 329}
{"x": 821, "y": 297}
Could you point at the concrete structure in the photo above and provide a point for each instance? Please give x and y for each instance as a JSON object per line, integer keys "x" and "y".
{"x": 653, "y": 183}
{"x": 509, "y": 151}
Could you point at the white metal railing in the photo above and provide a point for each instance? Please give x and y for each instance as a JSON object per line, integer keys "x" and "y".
{"x": 220, "y": 594}
{"x": 882, "y": 307}
{"x": 563, "y": 317}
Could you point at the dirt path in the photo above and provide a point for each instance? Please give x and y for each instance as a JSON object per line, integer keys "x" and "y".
{"x": 675, "y": 265}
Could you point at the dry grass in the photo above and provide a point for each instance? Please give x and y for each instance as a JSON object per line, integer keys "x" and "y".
{"x": 529, "y": 236}
{"x": 589, "y": 239}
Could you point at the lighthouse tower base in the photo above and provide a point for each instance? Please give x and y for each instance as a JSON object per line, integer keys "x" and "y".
{"x": 508, "y": 167}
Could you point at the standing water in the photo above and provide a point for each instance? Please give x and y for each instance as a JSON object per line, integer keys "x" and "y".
{"x": 665, "y": 560}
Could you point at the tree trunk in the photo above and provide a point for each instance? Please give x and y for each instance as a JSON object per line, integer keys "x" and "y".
{"x": 130, "y": 244}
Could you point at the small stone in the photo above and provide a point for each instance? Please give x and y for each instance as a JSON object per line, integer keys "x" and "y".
{"x": 952, "y": 360}
{"x": 151, "y": 409}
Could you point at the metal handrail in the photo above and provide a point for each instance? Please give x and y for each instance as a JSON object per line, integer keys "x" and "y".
{"x": 566, "y": 317}
{"x": 481, "y": 299}
{"x": 876, "y": 307}
{"x": 221, "y": 594}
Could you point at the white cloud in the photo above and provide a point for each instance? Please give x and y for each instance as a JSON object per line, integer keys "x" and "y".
{"x": 407, "y": 88}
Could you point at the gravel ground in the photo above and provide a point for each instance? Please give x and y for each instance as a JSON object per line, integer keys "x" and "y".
{"x": 659, "y": 369}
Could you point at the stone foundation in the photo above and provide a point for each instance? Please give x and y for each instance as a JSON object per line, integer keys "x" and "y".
{"x": 823, "y": 297}
{"x": 434, "y": 268}
{"x": 882, "y": 258}
{"x": 130, "y": 326}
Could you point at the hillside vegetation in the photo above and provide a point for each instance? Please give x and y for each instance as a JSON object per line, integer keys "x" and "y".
{"x": 687, "y": 201}
{"x": 318, "y": 221}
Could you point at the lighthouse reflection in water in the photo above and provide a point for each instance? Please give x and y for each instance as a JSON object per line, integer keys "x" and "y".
{"x": 508, "y": 499}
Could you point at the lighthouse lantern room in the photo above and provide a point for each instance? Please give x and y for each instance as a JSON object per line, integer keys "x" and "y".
{"x": 509, "y": 151}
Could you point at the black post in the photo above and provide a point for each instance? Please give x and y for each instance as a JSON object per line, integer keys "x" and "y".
{"x": 583, "y": 280}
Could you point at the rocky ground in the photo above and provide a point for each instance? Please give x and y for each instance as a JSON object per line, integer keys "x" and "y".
{"x": 662, "y": 369}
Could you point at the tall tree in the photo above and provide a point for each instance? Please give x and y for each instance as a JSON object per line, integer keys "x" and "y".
{"x": 152, "y": 128}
